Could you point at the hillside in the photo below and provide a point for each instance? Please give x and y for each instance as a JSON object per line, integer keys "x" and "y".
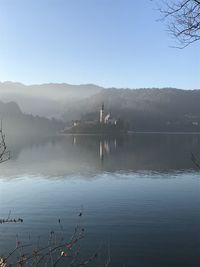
{"x": 166, "y": 109}
{"x": 49, "y": 100}
{"x": 146, "y": 109}
{"x": 17, "y": 124}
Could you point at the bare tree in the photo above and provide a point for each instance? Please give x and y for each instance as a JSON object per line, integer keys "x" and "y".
{"x": 4, "y": 153}
{"x": 183, "y": 19}
{"x": 57, "y": 252}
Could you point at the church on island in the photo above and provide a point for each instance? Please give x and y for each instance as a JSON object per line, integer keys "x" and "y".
{"x": 106, "y": 119}
{"x": 105, "y": 125}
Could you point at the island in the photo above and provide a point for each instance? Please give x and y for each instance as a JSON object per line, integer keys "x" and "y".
{"x": 105, "y": 125}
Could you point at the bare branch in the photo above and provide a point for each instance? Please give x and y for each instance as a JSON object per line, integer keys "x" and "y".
{"x": 183, "y": 20}
{"x": 4, "y": 154}
{"x": 195, "y": 161}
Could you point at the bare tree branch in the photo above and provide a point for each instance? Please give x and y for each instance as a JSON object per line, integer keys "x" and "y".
{"x": 4, "y": 154}
{"x": 55, "y": 252}
{"x": 195, "y": 161}
{"x": 183, "y": 20}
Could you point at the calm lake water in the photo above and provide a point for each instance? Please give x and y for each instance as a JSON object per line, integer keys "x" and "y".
{"x": 140, "y": 196}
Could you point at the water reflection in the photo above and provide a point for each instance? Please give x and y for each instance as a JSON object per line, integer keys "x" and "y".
{"x": 149, "y": 222}
{"x": 91, "y": 155}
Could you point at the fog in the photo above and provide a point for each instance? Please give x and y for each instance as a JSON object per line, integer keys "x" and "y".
{"x": 152, "y": 109}
{"x": 88, "y": 156}
{"x": 49, "y": 100}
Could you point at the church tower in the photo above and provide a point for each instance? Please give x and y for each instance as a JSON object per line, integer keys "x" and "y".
{"x": 101, "y": 119}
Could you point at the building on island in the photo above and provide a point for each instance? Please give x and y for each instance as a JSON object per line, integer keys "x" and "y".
{"x": 106, "y": 124}
{"x": 76, "y": 122}
{"x": 101, "y": 118}
{"x": 108, "y": 119}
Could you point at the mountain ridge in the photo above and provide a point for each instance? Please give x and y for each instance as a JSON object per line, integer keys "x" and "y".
{"x": 145, "y": 109}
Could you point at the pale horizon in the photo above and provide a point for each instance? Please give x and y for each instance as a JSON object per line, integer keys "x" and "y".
{"x": 98, "y": 85}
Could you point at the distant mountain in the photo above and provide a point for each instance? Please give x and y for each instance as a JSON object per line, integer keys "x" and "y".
{"x": 17, "y": 124}
{"x": 49, "y": 100}
{"x": 153, "y": 109}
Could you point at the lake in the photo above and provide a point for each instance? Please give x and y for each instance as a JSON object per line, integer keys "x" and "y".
{"x": 139, "y": 196}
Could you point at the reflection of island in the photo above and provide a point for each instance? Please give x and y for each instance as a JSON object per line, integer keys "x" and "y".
{"x": 106, "y": 125}
{"x": 89, "y": 155}
{"x": 138, "y": 152}
{"x": 106, "y": 145}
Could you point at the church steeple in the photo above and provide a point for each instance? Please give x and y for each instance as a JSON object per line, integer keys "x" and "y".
{"x": 101, "y": 119}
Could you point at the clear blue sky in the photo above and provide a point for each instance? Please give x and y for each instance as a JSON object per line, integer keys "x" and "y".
{"x": 107, "y": 42}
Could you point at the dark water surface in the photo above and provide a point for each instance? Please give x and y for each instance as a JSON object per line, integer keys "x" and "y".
{"x": 140, "y": 195}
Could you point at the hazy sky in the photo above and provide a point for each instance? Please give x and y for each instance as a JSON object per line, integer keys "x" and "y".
{"x": 106, "y": 42}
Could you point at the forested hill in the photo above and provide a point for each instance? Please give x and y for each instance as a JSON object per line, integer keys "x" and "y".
{"x": 164, "y": 109}
{"x": 17, "y": 124}
{"x": 46, "y": 100}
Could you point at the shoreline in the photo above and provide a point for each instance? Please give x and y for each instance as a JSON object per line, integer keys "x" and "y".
{"x": 132, "y": 133}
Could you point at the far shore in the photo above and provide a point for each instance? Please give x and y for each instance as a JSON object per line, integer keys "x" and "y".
{"x": 129, "y": 133}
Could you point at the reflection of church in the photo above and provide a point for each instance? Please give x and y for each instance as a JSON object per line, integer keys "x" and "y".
{"x": 106, "y": 119}
{"x": 105, "y": 147}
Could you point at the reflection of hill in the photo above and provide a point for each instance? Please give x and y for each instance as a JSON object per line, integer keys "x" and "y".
{"x": 155, "y": 152}
{"x": 89, "y": 155}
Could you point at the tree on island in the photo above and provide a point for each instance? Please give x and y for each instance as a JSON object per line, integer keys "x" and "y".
{"x": 183, "y": 20}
